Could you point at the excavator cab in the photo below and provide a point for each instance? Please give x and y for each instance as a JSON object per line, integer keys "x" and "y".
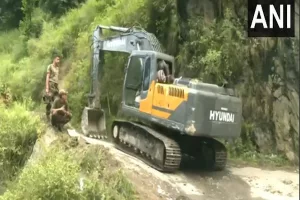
{"x": 133, "y": 87}
{"x": 141, "y": 71}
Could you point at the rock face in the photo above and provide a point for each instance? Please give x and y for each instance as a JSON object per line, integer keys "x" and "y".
{"x": 286, "y": 121}
{"x": 270, "y": 89}
{"x": 272, "y": 104}
{"x": 273, "y": 108}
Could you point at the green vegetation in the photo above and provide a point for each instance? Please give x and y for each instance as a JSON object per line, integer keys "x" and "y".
{"x": 244, "y": 149}
{"x": 18, "y": 133}
{"x": 79, "y": 172}
{"x": 208, "y": 41}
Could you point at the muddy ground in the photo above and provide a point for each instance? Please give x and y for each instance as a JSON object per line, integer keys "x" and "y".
{"x": 235, "y": 183}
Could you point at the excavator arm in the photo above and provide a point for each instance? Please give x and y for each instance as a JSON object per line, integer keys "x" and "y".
{"x": 126, "y": 41}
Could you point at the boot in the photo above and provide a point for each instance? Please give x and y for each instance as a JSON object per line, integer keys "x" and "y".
{"x": 48, "y": 108}
{"x": 48, "y": 117}
{"x": 59, "y": 127}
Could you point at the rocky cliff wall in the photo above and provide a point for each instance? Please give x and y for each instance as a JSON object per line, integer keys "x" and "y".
{"x": 269, "y": 86}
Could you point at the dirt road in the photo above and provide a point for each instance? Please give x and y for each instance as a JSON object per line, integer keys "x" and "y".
{"x": 232, "y": 184}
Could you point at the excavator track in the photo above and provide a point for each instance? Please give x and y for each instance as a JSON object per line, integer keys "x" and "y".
{"x": 220, "y": 155}
{"x": 205, "y": 153}
{"x": 153, "y": 148}
{"x": 133, "y": 139}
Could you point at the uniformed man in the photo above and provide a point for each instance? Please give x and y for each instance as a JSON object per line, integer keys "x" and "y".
{"x": 60, "y": 113}
{"x": 52, "y": 82}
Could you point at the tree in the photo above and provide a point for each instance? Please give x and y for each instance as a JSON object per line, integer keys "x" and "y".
{"x": 10, "y": 14}
{"x": 59, "y": 7}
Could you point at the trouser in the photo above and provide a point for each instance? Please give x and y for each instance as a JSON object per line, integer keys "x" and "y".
{"x": 59, "y": 119}
{"x": 53, "y": 90}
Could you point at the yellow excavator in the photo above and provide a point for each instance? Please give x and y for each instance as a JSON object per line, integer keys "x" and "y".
{"x": 179, "y": 117}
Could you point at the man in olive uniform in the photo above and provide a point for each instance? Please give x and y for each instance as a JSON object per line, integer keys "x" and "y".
{"x": 60, "y": 113}
{"x": 52, "y": 82}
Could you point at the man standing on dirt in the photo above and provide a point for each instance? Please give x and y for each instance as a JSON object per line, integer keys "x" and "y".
{"x": 60, "y": 114}
{"x": 52, "y": 82}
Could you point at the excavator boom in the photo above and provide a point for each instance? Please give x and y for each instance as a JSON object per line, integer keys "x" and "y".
{"x": 126, "y": 41}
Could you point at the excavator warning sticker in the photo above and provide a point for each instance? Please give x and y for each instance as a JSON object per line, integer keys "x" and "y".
{"x": 221, "y": 116}
{"x": 115, "y": 43}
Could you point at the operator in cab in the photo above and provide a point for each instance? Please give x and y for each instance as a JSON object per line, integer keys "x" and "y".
{"x": 163, "y": 67}
{"x": 60, "y": 113}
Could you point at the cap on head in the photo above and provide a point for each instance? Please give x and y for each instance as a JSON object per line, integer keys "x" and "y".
{"x": 62, "y": 92}
{"x": 55, "y": 54}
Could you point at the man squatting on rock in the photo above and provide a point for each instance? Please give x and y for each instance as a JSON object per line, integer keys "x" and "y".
{"x": 60, "y": 113}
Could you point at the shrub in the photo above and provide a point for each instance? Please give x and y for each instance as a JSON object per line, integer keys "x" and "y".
{"x": 59, "y": 7}
{"x": 57, "y": 176}
{"x": 8, "y": 40}
{"x": 216, "y": 52}
{"x": 18, "y": 132}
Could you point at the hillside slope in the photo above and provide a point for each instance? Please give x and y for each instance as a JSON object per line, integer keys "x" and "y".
{"x": 209, "y": 41}
{"x": 207, "y": 38}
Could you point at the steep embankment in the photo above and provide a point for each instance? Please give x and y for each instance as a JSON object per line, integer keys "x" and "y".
{"x": 60, "y": 168}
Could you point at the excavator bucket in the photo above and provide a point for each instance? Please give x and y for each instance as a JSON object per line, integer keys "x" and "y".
{"x": 93, "y": 123}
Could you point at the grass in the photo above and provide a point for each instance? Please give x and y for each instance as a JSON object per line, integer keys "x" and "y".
{"x": 245, "y": 152}
{"x": 18, "y": 132}
{"x": 262, "y": 160}
{"x": 58, "y": 172}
